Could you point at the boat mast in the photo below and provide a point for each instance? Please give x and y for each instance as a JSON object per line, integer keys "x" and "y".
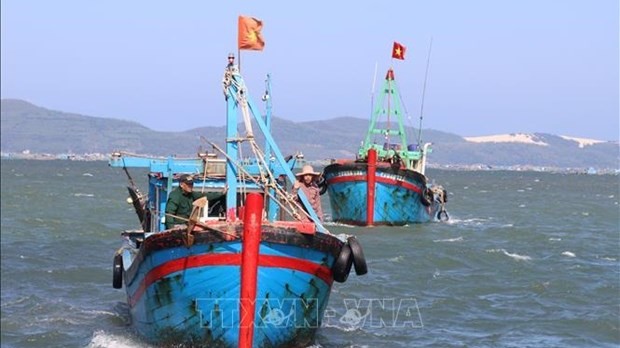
{"x": 232, "y": 151}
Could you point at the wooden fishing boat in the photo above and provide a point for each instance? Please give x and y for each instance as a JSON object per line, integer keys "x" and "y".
{"x": 246, "y": 269}
{"x": 386, "y": 183}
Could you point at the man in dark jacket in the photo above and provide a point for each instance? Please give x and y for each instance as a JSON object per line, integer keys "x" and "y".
{"x": 180, "y": 201}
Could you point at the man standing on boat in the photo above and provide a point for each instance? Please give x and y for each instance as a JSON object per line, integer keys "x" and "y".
{"x": 180, "y": 200}
{"x": 306, "y": 181}
{"x": 231, "y": 69}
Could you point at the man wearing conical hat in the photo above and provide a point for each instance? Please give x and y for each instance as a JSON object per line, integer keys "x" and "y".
{"x": 306, "y": 181}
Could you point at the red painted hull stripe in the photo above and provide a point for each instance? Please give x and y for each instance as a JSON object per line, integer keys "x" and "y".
{"x": 348, "y": 178}
{"x": 164, "y": 270}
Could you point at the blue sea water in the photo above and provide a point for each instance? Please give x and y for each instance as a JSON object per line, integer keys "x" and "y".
{"x": 527, "y": 260}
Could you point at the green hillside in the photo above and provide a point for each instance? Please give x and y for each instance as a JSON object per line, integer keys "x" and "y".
{"x": 25, "y": 126}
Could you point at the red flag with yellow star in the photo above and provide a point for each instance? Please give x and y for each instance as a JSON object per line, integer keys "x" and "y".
{"x": 250, "y": 37}
{"x": 398, "y": 51}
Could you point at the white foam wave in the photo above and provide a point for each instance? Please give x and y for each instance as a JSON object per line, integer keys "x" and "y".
{"x": 473, "y": 221}
{"x": 341, "y": 328}
{"x": 83, "y": 195}
{"x": 87, "y": 174}
{"x": 338, "y": 224}
{"x": 94, "y": 311}
{"x": 457, "y": 239}
{"x": 483, "y": 223}
{"x": 102, "y": 339}
{"x": 555, "y": 239}
{"x": 568, "y": 253}
{"x": 511, "y": 255}
{"x": 398, "y": 258}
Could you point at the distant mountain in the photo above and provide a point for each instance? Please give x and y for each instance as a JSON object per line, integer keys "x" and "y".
{"x": 25, "y": 126}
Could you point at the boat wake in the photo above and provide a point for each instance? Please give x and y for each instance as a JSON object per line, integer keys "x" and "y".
{"x": 102, "y": 339}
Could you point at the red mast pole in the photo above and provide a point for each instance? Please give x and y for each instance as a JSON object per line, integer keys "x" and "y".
{"x": 370, "y": 187}
{"x": 253, "y": 215}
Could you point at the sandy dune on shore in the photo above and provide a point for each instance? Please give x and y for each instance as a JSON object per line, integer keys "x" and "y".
{"x": 507, "y": 138}
{"x": 582, "y": 141}
{"x": 527, "y": 139}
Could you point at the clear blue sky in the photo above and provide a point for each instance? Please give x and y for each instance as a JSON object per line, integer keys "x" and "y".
{"x": 496, "y": 66}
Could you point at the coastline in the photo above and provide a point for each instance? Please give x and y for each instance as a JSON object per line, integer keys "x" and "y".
{"x": 451, "y": 167}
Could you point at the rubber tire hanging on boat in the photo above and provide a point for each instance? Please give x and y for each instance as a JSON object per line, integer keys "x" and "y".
{"x": 117, "y": 272}
{"x": 342, "y": 266}
{"x": 445, "y": 196}
{"x": 426, "y": 198}
{"x": 322, "y": 185}
{"x": 359, "y": 261}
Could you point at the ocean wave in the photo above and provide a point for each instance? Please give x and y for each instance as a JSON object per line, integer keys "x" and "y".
{"x": 398, "y": 258}
{"x": 83, "y": 195}
{"x": 477, "y": 222}
{"x": 457, "y": 239}
{"x": 102, "y": 339}
{"x": 514, "y": 256}
{"x": 343, "y": 328}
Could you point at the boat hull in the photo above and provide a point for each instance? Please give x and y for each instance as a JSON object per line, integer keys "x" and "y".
{"x": 191, "y": 294}
{"x": 400, "y": 196}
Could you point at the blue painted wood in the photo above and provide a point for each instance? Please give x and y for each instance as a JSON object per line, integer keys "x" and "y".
{"x": 200, "y": 304}
{"x": 396, "y": 203}
{"x": 178, "y": 295}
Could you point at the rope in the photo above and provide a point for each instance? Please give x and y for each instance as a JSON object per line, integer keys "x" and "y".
{"x": 294, "y": 206}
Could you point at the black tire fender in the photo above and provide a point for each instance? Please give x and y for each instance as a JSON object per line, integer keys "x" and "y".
{"x": 342, "y": 266}
{"x": 322, "y": 185}
{"x": 445, "y": 196}
{"x": 426, "y": 198}
{"x": 117, "y": 272}
{"x": 359, "y": 261}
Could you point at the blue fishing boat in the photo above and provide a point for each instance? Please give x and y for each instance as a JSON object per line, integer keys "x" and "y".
{"x": 386, "y": 183}
{"x": 250, "y": 267}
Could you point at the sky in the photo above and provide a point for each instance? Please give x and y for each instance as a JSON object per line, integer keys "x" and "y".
{"x": 495, "y": 67}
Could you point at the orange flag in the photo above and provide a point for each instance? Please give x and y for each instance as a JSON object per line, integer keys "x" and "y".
{"x": 398, "y": 51}
{"x": 250, "y": 37}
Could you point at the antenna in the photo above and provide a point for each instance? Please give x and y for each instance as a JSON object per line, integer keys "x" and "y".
{"x": 372, "y": 92}
{"x": 428, "y": 61}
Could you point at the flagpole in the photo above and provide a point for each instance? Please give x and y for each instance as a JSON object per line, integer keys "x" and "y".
{"x": 239, "y": 61}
